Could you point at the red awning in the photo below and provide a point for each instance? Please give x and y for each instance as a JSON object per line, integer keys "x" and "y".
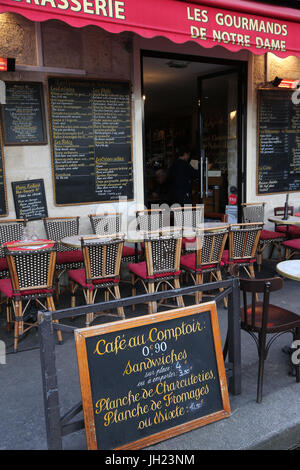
{"x": 234, "y": 24}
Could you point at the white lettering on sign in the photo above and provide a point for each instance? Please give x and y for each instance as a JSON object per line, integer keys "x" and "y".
{"x": 243, "y": 26}
{"x": 106, "y": 8}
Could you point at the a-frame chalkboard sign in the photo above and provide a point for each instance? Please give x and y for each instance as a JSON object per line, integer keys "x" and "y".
{"x": 149, "y": 378}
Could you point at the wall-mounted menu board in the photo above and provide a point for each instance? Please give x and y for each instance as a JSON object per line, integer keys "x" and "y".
{"x": 23, "y": 116}
{"x": 3, "y": 195}
{"x": 30, "y": 199}
{"x": 90, "y": 126}
{"x": 278, "y": 161}
{"x": 147, "y": 379}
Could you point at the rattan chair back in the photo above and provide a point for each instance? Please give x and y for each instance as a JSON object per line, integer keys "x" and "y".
{"x": 189, "y": 216}
{"x": 11, "y": 230}
{"x": 150, "y": 219}
{"x": 59, "y": 227}
{"x": 102, "y": 256}
{"x": 31, "y": 269}
{"x": 105, "y": 224}
{"x": 210, "y": 247}
{"x": 243, "y": 240}
{"x": 162, "y": 249}
{"x": 253, "y": 212}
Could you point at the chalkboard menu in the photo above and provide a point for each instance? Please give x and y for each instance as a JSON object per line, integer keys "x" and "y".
{"x": 23, "y": 117}
{"x": 3, "y": 196}
{"x": 30, "y": 199}
{"x": 146, "y": 379}
{"x": 90, "y": 125}
{"x": 278, "y": 162}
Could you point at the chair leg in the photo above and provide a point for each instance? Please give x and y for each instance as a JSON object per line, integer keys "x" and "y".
{"x": 120, "y": 310}
{"x": 199, "y": 294}
{"x": 152, "y": 306}
{"x": 89, "y": 300}
{"x": 179, "y": 299}
{"x": 57, "y": 287}
{"x": 72, "y": 290}
{"x": 133, "y": 289}
{"x": 219, "y": 277}
{"x": 251, "y": 270}
{"x": 8, "y": 314}
{"x": 261, "y": 362}
{"x": 260, "y": 250}
{"x": 19, "y": 326}
{"x": 51, "y": 308}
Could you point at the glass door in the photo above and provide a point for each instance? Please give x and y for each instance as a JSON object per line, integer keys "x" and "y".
{"x": 219, "y": 164}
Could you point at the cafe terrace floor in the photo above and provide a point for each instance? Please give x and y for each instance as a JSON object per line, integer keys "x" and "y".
{"x": 273, "y": 424}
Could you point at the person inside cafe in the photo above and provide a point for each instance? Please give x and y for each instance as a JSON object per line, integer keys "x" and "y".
{"x": 160, "y": 193}
{"x": 182, "y": 175}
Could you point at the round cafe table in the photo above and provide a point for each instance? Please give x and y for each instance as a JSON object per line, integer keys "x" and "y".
{"x": 37, "y": 244}
{"x": 292, "y": 220}
{"x": 289, "y": 269}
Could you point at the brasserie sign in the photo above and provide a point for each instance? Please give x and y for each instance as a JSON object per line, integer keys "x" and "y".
{"x": 177, "y": 20}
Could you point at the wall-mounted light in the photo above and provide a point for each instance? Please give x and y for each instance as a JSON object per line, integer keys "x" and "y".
{"x": 144, "y": 97}
{"x": 285, "y": 83}
{"x": 7, "y": 64}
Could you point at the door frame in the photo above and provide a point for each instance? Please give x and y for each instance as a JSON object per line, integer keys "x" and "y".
{"x": 239, "y": 66}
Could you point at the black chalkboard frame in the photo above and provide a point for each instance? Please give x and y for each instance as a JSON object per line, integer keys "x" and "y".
{"x": 43, "y": 195}
{"x": 81, "y": 335}
{"x": 44, "y": 141}
{"x": 130, "y": 162}
{"x": 5, "y": 213}
{"x": 259, "y": 99}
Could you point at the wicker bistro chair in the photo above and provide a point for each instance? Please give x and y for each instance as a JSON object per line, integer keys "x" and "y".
{"x": 111, "y": 223}
{"x": 31, "y": 270}
{"x": 67, "y": 258}
{"x": 102, "y": 260}
{"x": 188, "y": 217}
{"x": 162, "y": 264}
{"x": 261, "y": 319}
{"x": 10, "y": 230}
{"x": 243, "y": 242}
{"x": 255, "y": 212}
{"x": 207, "y": 258}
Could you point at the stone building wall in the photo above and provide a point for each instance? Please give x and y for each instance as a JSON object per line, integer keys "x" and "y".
{"x": 64, "y": 48}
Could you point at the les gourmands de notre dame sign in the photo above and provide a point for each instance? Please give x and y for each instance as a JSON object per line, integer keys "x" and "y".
{"x": 179, "y": 21}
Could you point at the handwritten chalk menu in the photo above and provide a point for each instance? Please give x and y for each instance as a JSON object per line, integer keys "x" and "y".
{"x": 3, "y": 196}
{"x": 278, "y": 166}
{"x": 150, "y": 378}
{"x": 30, "y": 199}
{"x": 23, "y": 117}
{"x": 90, "y": 124}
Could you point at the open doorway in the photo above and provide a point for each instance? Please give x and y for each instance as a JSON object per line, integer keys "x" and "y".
{"x": 196, "y": 103}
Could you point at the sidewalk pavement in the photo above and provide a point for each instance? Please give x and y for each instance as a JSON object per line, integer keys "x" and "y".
{"x": 273, "y": 424}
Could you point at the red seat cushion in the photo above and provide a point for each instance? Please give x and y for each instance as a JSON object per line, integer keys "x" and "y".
{"x": 269, "y": 235}
{"x": 129, "y": 251}
{"x": 189, "y": 262}
{"x": 140, "y": 269}
{"x": 6, "y": 289}
{"x": 3, "y": 264}
{"x": 78, "y": 276}
{"x": 188, "y": 240}
{"x": 67, "y": 257}
{"x": 225, "y": 259}
{"x": 294, "y": 244}
{"x": 294, "y": 230}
